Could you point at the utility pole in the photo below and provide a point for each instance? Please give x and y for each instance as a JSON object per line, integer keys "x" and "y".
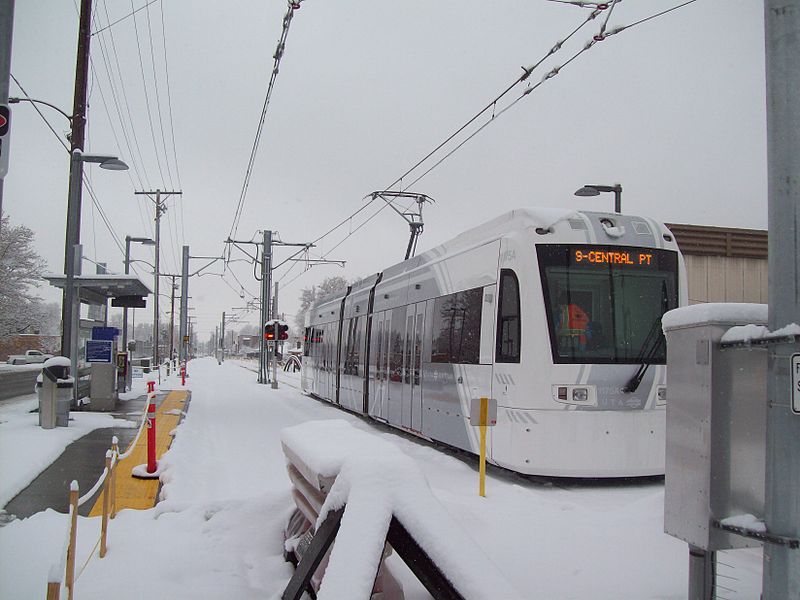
{"x": 160, "y": 209}
{"x": 73, "y": 234}
{"x": 222, "y": 337}
{"x": 781, "y": 570}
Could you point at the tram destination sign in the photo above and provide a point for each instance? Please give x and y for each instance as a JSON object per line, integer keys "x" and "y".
{"x": 613, "y": 256}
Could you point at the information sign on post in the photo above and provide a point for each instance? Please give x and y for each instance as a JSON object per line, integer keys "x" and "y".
{"x": 99, "y": 351}
{"x": 796, "y": 383}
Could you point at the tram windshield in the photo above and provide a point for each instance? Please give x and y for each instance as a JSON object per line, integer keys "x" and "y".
{"x": 605, "y": 303}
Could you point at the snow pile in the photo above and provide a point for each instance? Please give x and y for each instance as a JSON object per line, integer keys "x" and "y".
{"x": 744, "y": 333}
{"x": 746, "y": 521}
{"x": 375, "y": 481}
{"x": 727, "y": 313}
{"x": 751, "y": 333}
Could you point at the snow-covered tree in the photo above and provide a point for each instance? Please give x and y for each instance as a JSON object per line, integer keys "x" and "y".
{"x": 309, "y": 296}
{"x": 21, "y": 268}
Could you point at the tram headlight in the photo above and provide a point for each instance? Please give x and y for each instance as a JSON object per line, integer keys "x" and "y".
{"x": 580, "y": 394}
{"x": 661, "y": 396}
{"x": 583, "y": 395}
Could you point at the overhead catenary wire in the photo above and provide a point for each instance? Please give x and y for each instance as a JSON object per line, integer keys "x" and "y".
{"x": 126, "y": 103}
{"x": 549, "y": 75}
{"x": 156, "y": 87}
{"x": 279, "y": 51}
{"x": 149, "y": 109}
{"x": 130, "y": 14}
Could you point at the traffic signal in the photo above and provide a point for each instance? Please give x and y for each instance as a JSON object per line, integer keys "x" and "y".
{"x": 283, "y": 331}
{"x": 269, "y": 331}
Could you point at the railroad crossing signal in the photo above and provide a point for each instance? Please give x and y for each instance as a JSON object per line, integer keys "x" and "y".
{"x": 5, "y": 121}
{"x": 269, "y": 331}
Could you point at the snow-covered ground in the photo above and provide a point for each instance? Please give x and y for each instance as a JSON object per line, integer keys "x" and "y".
{"x": 217, "y": 533}
{"x": 26, "y": 449}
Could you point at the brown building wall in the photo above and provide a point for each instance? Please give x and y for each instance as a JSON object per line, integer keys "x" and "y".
{"x": 724, "y": 264}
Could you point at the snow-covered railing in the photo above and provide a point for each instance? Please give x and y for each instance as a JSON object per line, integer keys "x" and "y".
{"x": 62, "y": 574}
{"x": 367, "y": 493}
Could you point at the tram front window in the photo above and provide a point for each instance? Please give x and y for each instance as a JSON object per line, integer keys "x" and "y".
{"x": 605, "y": 302}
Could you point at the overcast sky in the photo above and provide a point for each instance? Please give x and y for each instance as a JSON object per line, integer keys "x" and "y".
{"x": 673, "y": 109}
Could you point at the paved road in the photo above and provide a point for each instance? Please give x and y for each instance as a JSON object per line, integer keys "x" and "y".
{"x": 17, "y": 382}
{"x": 22, "y": 382}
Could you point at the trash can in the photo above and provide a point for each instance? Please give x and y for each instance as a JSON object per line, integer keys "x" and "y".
{"x": 54, "y": 387}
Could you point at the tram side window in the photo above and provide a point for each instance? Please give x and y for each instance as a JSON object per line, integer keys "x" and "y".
{"x": 307, "y": 342}
{"x": 508, "y": 319}
{"x": 355, "y": 356}
{"x": 457, "y": 327}
{"x": 395, "y": 346}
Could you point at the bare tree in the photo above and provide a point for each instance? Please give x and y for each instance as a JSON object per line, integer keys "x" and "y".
{"x": 20, "y": 271}
{"x": 309, "y": 296}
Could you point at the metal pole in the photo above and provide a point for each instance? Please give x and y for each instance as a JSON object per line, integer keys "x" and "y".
{"x": 73, "y": 237}
{"x": 782, "y": 509}
{"x": 125, "y": 315}
{"x": 157, "y": 278}
{"x": 222, "y": 341}
{"x": 76, "y": 257}
{"x": 6, "y": 29}
{"x": 702, "y": 574}
{"x": 172, "y": 322}
{"x": 275, "y": 343}
{"x": 618, "y": 198}
{"x": 73, "y": 233}
{"x": 183, "y": 354}
{"x": 266, "y": 245}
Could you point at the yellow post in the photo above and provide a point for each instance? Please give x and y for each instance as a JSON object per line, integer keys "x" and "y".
{"x": 73, "y": 533}
{"x": 115, "y": 450}
{"x": 483, "y": 423}
{"x": 106, "y": 504}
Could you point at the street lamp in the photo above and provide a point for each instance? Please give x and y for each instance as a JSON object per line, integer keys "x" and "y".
{"x": 594, "y": 190}
{"x": 145, "y": 242}
{"x": 70, "y": 308}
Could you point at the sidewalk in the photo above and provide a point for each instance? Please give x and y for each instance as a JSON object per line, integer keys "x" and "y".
{"x": 84, "y": 461}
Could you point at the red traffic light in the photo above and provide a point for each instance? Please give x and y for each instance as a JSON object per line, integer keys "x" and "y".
{"x": 269, "y": 332}
{"x": 283, "y": 331}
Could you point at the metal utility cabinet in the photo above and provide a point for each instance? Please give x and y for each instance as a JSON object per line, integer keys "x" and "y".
{"x": 716, "y": 434}
{"x": 716, "y": 424}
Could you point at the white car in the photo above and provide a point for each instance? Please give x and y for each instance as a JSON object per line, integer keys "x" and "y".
{"x": 30, "y": 357}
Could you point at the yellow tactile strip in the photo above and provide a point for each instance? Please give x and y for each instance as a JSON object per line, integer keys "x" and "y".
{"x": 138, "y": 493}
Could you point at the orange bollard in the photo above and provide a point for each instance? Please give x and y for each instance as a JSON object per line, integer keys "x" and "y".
{"x": 151, "y": 427}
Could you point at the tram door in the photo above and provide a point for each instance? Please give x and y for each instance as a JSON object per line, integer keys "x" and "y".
{"x": 379, "y": 393}
{"x": 412, "y": 363}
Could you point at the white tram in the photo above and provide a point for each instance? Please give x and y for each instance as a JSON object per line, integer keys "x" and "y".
{"x": 555, "y": 314}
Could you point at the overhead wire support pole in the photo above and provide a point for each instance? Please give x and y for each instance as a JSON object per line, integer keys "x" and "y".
{"x": 781, "y": 568}
{"x": 160, "y": 209}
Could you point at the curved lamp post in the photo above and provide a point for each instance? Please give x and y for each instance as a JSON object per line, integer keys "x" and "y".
{"x": 70, "y": 312}
{"x": 594, "y": 190}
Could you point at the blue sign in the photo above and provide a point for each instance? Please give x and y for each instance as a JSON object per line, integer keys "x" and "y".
{"x": 99, "y": 351}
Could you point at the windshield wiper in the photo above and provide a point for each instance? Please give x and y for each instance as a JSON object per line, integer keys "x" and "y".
{"x": 652, "y": 344}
